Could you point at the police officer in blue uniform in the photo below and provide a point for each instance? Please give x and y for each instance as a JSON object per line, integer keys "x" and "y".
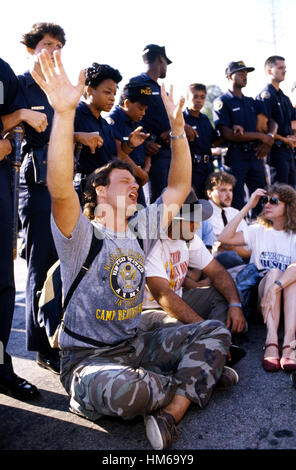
{"x": 205, "y": 136}
{"x": 279, "y": 107}
{"x": 246, "y": 148}
{"x": 10, "y": 383}
{"x": 35, "y": 203}
{"x": 156, "y": 121}
{"x": 92, "y": 130}
{"x": 133, "y": 104}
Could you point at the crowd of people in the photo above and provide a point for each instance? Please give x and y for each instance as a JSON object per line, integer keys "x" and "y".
{"x": 152, "y": 326}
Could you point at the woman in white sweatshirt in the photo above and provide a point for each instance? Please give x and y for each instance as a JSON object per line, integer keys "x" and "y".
{"x": 272, "y": 239}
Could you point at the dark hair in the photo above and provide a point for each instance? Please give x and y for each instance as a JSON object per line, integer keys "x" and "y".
{"x": 218, "y": 178}
{"x": 151, "y": 56}
{"x": 286, "y": 194}
{"x": 97, "y": 73}
{"x": 197, "y": 86}
{"x": 272, "y": 60}
{"x": 39, "y": 30}
{"x": 100, "y": 177}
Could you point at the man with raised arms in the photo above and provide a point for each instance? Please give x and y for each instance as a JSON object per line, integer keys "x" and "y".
{"x": 115, "y": 370}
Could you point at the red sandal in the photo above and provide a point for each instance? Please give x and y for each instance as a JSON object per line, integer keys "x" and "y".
{"x": 271, "y": 364}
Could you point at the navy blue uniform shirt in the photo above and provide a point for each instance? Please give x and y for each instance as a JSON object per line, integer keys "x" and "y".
{"x": 123, "y": 126}
{"x": 8, "y": 90}
{"x": 207, "y": 134}
{"x": 32, "y": 97}
{"x": 85, "y": 121}
{"x": 156, "y": 120}
{"x": 229, "y": 110}
{"x": 279, "y": 107}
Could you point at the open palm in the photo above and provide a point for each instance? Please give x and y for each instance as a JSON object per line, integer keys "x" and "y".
{"x": 61, "y": 94}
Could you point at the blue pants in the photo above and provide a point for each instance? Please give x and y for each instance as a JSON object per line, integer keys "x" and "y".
{"x": 158, "y": 176}
{"x": 34, "y": 211}
{"x": 283, "y": 160}
{"x": 7, "y": 287}
{"x": 249, "y": 170}
{"x": 200, "y": 172}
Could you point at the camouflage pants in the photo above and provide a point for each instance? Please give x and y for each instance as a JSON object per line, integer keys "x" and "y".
{"x": 145, "y": 373}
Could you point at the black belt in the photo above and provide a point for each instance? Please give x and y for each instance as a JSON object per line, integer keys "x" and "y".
{"x": 244, "y": 146}
{"x": 196, "y": 158}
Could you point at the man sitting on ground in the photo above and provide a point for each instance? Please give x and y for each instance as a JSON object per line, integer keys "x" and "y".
{"x": 114, "y": 370}
{"x": 167, "y": 267}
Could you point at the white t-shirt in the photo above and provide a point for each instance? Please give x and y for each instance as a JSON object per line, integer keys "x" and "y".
{"x": 170, "y": 260}
{"x": 217, "y": 221}
{"x": 270, "y": 248}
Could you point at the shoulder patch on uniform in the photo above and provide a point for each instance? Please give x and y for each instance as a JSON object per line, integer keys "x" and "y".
{"x": 265, "y": 95}
{"x": 218, "y": 104}
{"x": 110, "y": 120}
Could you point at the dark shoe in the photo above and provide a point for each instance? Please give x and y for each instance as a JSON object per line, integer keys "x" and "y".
{"x": 229, "y": 377}
{"x": 236, "y": 354}
{"x": 161, "y": 430}
{"x": 269, "y": 363}
{"x": 49, "y": 361}
{"x": 17, "y": 387}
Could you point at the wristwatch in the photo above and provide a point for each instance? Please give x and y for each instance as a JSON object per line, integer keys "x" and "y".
{"x": 176, "y": 137}
{"x": 271, "y": 135}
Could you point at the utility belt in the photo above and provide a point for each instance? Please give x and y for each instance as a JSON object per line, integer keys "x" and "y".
{"x": 244, "y": 146}
{"x": 197, "y": 159}
{"x": 39, "y": 160}
{"x": 279, "y": 143}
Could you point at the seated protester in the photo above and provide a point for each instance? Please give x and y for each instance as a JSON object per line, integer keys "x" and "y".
{"x": 201, "y": 140}
{"x": 91, "y": 129}
{"x": 273, "y": 242}
{"x": 108, "y": 366}
{"x": 133, "y": 103}
{"x": 219, "y": 189}
{"x": 166, "y": 269}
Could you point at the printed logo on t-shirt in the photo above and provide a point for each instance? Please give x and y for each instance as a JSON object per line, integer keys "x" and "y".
{"x": 126, "y": 277}
{"x": 269, "y": 260}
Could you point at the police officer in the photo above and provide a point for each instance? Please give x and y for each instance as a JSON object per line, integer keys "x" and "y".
{"x": 133, "y": 104}
{"x": 155, "y": 121}
{"x": 92, "y": 130}
{"x": 245, "y": 148}
{"x": 35, "y": 203}
{"x": 10, "y": 383}
{"x": 279, "y": 107}
{"x": 204, "y": 137}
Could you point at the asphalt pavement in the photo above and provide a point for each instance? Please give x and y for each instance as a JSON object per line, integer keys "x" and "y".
{"x": 256, "y": 414}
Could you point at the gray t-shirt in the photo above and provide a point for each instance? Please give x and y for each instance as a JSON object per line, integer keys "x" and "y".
{"x": 107, "y": 304}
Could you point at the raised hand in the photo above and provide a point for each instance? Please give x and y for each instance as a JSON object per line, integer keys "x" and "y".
{"x": 174, "y": 111}
{"x": 61, "y": 94}
{"x": 255, "y": 196}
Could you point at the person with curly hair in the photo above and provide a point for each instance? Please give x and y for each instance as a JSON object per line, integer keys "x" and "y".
{"x": 92, "y": 130}
{"x": 272, "y": 240}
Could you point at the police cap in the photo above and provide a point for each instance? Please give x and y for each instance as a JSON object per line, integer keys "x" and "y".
{"x": 233, "y": 67}
{"x": 137, "y": 92}
{"x": 153, "y": 49}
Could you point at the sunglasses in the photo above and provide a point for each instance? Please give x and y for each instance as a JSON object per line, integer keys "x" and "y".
{"x": 272, "y": 200}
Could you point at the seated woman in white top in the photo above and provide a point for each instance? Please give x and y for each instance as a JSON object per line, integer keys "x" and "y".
{"x": 272, "y": 240}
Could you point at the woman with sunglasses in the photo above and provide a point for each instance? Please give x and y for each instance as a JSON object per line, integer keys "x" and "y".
{"x": 272, "y": 239}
